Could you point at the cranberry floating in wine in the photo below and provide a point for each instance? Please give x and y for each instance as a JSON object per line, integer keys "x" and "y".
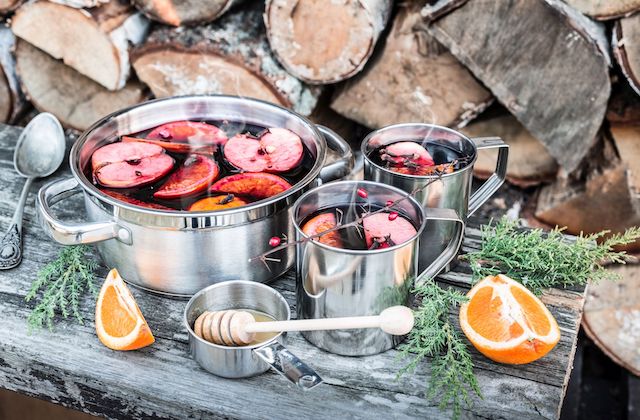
{"x": 195, "y": 175}
{"x": 381, "y": 231}
{"x": 218, "y": 202}
{"x": 128, "y": 165}
{"x": 321, "y": 223}
{"x": 258, "y": 185}
{"x": 276, "y": 150}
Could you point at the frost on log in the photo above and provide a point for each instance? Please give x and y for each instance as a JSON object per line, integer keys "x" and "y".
{"x": 94, "y": 41}
{"x": 76, "y": 100}
{"x": 229, "y": 56}
{"x": 555, "y": 81}
{"x": 322, "y": 41}
{"x": 414, "y": 79}
{"x": 183, "y": 12}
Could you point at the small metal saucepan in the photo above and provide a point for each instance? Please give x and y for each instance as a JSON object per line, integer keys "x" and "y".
{"x": 252, "y": 360}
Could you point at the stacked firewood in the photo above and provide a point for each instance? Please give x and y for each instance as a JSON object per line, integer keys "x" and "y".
{"x": 559, "y": 81}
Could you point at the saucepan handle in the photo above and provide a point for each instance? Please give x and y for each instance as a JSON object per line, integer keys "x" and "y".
{"x": 496, "y": 179}
{"x": 288, "y": 365}
{"x": 73, "y": 233}
{"x": 343, "y": 166}
{"x": 453, "y": 246}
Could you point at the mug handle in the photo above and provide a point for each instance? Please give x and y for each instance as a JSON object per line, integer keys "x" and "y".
{"x": 288, "y": 365}
{"x": 343, "y": 166}
{"x": 452, "y": 248}
{"x": 496, "y": 179}
{"x": 73, "y": 233}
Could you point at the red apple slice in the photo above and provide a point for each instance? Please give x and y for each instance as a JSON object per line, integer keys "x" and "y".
{"x": 219, "y": 202}
{"x": 378, "y": 228}
{"x": 195, "y": 175}
{"x": 258, "y": 185}
{"x": 320, "y": 223}
{"x": 277, "y": 150}
{"x": 127, "y": 165}
{"x": 134, "y": 201}
{"x": 196, "y": 133}
{"x": 173, "y": 147}
{"x": 406, "y": 154}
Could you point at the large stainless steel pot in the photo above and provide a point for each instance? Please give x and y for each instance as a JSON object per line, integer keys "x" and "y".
{"x": 179, "y": 253}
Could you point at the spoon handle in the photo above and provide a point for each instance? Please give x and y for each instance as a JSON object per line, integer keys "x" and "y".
{"x": 11, "y": 243}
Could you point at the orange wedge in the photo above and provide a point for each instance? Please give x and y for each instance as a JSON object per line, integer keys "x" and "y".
{"x": 507, "y": 323}
{"x": 119, "y": 322}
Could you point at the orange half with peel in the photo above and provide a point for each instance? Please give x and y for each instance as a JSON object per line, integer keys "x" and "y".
{"x": 506, "y": 322}
{"x": 119, "y": 322}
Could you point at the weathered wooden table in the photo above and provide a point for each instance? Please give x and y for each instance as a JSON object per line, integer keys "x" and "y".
{"x": 69, "y": 366}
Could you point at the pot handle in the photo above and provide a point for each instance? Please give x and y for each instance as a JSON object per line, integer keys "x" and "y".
{"x": 73, "y": 233}
{"x": 288, "y": 365}
{"x": 343, "y": 166}
{"x": 453, "y": 246}
{"x": 496, "y": 179}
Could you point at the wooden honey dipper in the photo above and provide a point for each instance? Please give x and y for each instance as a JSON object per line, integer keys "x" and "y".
{"x": 238, "y": 328}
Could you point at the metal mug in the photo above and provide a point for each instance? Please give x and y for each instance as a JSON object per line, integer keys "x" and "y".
{"x": 452, "y": 190}
{"x": 252, "y": 360}
{"x": 335, "y": 282}
{"x": 180, "y": 252}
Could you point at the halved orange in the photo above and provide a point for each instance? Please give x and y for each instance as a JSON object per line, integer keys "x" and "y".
{"x": 119, "y": 322}
{"x": 506, "y": 322}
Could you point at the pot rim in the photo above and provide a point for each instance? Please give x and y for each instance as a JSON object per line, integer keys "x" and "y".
{"x": 408, "y": 196}
{"x": 87, "y": 186}
{"x": 214, "y": 286}
{"x": 365, "y": 155}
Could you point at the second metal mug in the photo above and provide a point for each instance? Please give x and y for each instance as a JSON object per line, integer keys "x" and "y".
{"x": 452, "y": 190}
{"x": 335, "y": 282}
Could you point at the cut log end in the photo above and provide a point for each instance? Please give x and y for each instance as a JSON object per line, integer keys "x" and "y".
{"x": 171, "y": 72}
{"x": 604, "y": 10}
{"x": 325, "y": 42}
{"x": 183, "y": 12}
{"x": 414, "y": 79}
{"x": 626, "y": 49}
{"x": 7, "y": 6}
{"x": 95, "y": 44}
{"x": 74, "y": 99}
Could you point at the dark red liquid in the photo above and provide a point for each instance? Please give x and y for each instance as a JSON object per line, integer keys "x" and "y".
{"x": 144, "y": 194}
{"x": 445, "y": 156}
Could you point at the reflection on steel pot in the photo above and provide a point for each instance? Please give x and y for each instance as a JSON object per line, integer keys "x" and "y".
{"x": 177, "y": 252}
{"x": 452, "y": 190}
{"x": 336, "y": 282}
{"x": 252, "y": 360}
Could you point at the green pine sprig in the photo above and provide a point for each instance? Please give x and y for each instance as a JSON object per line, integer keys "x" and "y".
{"x": 434, "y": 336}
{"x": 62, "y": 284}
{"x": 541, "y": 260}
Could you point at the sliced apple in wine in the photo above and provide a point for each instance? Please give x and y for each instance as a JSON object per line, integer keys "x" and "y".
{"x": 277, "y": 150}
{"x": 258, "y": 185}
{"x": 380, "y": 231}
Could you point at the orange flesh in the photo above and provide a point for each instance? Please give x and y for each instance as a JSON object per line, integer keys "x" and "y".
{"x": 117, "y": 321}
{"x": 214, "y": 203}
{"x": 536, "y": 320}
{"x": 322, "y": 223}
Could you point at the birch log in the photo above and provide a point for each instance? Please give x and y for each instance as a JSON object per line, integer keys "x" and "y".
{"x": 323, "y": 41}
{"x": 547, "y": 63}
{"x": 228, "y": 56}
{"x": 95, "y": 41}
{"x": 76, "y": 100}
{"x": 12, "y": 101}
{"x": 183, "y": 12}
{"x": 605, "y": 9}
{"x": 414, "y": 79}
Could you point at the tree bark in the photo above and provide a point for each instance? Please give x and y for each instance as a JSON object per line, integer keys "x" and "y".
{"x": 8, "y": 6}
{"x": 95, "y": 42}
{"x": 183, "y": 12}
{"x": 555, "y": 81}
{"x": 323, "y": 41}
{"x": 13, "y": 104}
{"x": 228, "y": 56}
{"x": 607, "y": 9}
{"x": 414, "y": 79}
{"x": 76, "y": 100}
{"x": 626, "y": 49}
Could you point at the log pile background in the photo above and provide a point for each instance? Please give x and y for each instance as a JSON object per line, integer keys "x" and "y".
{"x": 558, "y": 80}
